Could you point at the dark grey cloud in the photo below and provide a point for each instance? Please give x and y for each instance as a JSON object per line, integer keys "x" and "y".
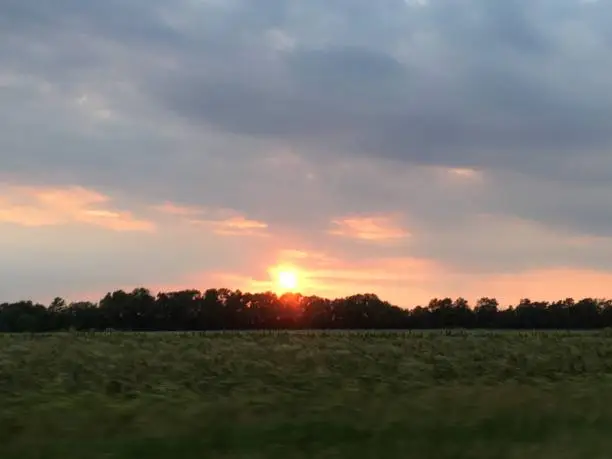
{"x": 493, "y": 27}
{"x": 130, "y": 20}
{"x": 500, "y": 94}
{"x": 500, "y": 101}
{"x": 501, "y": 120}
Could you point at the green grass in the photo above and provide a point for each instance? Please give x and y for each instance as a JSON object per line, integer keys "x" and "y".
{"x": 306, "y": 394}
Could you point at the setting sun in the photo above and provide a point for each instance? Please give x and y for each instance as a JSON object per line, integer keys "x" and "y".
{"x": 286, "y": 279}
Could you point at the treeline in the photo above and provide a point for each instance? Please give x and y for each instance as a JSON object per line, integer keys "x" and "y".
{"x": 224, "y": 309}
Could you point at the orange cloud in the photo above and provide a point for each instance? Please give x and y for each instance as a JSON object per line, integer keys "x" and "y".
{"x": 224, "y": 222}
{"x": 170, "y": 208}
{"x": 33, "y": 206}
{"x": 455, "y": 175}
{"x": 293, "y": 256}
{"x": 372, "y": 228}
{"x": 239, "y": 226}
{"x": 466, "y": 173}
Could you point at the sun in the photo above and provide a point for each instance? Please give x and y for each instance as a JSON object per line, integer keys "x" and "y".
{"x": 286, "y": 279}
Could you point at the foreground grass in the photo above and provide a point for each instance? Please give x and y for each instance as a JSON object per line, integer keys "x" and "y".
{"x": 294, "y": 395}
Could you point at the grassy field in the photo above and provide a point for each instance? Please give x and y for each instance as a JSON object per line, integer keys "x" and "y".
{"x": 306, "y": 394}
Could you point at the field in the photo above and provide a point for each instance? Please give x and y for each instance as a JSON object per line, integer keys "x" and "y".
{"x": 306, "y": 394}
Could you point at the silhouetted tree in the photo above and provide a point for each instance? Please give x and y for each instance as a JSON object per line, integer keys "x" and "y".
{"x": 225, "y": 309}
{"x": 486, "y": 313}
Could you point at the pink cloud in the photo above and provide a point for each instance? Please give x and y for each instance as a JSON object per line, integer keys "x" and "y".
{"x": 170, "y": 208}
{"x": 223, "y": 222}
{"x": 34, "y": 206}
{"x": 369, "y": 228}
{"x": 464, "y": 173}
{"x": 239, "y": 226}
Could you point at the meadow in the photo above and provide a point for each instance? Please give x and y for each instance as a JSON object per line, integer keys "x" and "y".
{"x": 306, "y": 394}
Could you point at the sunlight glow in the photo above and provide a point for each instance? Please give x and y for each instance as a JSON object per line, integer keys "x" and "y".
{"x": 286, "y": 279}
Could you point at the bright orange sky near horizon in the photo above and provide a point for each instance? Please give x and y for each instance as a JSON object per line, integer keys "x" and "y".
{"x": 77, "y": 223}
{"x": 329, "y": 148}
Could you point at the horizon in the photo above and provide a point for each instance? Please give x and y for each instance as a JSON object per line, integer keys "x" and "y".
{"x": 417, "y": 149}
{"x": 223, "y": 309}
{"x": 279, "y": 294}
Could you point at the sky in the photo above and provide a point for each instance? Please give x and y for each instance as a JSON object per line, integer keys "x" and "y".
{"x": 408, "y": 148}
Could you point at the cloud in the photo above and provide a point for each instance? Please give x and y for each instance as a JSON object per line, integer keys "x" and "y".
{"x": 369, "y": 228}
{"x": 465, "y": 173}
{"x": 117, "y": 221}
{"x": 417, "y": 3}
{"x": 279, "y": 40}
{"x": 499, "y": 107}
{"x": 172, "y": 209}
{"x": 29, "y": 206}
{"x": 223, "y": 222}
{"x": 237, "y": 226}
{"x": 495, "y": 243}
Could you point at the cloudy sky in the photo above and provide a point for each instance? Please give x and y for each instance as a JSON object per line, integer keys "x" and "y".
{"x": 410, "y": 148}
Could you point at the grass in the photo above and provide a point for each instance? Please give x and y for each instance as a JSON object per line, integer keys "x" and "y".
{"x": 306, "y": 394}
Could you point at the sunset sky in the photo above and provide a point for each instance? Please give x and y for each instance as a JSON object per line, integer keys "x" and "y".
{"x": 409, "y": 148}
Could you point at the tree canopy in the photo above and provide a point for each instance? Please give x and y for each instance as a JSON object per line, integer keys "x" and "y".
{"x": 224, "y": 309}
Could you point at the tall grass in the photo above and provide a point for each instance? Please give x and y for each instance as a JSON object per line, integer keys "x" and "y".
{"x": 338, "y": 394}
